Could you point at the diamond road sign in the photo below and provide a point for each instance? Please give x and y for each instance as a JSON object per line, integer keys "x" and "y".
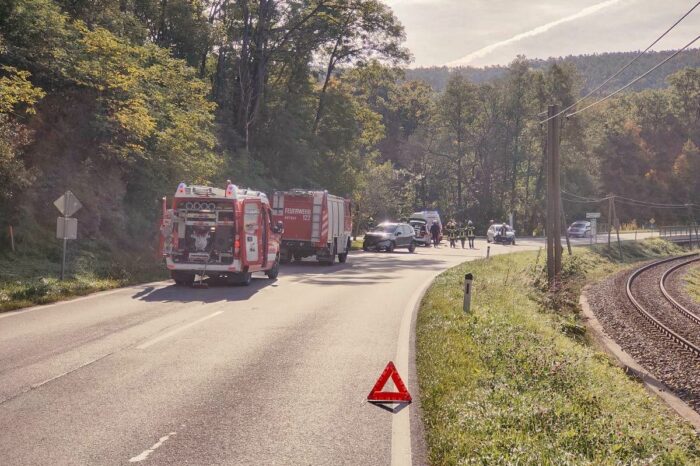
{"x": 67, "y": 204}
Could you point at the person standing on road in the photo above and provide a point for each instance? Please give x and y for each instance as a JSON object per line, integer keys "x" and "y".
{"x": 503, "y": 232}
{"x": 470, "y": 234}
{"x": 452, "y": 233}
{"x": 435, "y": 233}
{"x": 462, "y": 234}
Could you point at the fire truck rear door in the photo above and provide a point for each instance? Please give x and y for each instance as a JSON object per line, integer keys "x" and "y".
{"x": 252, "y": 247}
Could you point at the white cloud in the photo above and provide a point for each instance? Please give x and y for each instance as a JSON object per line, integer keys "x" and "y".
{"x": 442, "y": 31}
{"x": 484, "y": 51}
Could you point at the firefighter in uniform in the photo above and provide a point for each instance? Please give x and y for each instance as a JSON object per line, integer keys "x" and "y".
{"x": 452, "y": 233}
{"x": 462, "y": 234}
{"x": 470, "y": 234}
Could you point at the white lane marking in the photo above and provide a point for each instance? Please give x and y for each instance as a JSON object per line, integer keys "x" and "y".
{"x": 177, "y": 330}
{"x": 98, "y": 294}
{"x": 144, "y": 454}
{"x": 401, "y": 422}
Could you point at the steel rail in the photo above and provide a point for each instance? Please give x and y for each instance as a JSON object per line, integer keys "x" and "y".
{"x": 676, "y": 304}
{"x": 653, "y": 320}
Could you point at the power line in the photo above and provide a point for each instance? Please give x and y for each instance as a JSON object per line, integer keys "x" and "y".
{"x": 621, "y": 70}
{"x": 583, "y": 197}
{"x": 577, "y": 201}
{"x": 633, "y": 81}
{"x": 624, "y": 200}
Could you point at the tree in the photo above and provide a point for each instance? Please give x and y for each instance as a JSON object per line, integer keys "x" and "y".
{"x": 359, "y": 30}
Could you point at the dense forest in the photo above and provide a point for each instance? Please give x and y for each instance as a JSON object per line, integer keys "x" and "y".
{"x": 120, "y": 101}
{"x": 592, "y": 69}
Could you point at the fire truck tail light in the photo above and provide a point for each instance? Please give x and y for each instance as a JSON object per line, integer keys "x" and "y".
{"x": 236, "y": 245}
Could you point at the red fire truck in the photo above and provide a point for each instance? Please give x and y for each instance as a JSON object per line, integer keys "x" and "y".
{"x": 219, "y": 233}
{"x": 315, "y": 224}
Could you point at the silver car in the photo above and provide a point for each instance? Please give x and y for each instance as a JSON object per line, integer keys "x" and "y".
{"x": 580, "y": 229}
{"x": 493, "y": 234}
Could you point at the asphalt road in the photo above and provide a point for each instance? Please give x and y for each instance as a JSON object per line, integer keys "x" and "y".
{"x": 273, "y": 373}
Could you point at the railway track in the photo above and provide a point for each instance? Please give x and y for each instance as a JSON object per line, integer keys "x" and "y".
{"x": 669, "y": 317}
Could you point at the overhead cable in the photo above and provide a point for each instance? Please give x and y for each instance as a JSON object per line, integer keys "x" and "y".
{"x": 633, "y": 81}
{"x": 621, "y": 70}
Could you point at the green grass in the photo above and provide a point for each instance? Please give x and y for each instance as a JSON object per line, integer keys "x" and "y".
{"x": 692, "y": 280}
{"x": 27, "y": 279}
{"x": 517, "y": 382}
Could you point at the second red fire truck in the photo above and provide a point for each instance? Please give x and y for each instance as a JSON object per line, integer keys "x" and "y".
{"x": 316, "y": 223}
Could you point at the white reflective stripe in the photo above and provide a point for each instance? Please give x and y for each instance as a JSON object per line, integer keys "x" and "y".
{"x": 316, "y": 218}
{"x": 199, "y": 268}
{"x": 278, "y": 204}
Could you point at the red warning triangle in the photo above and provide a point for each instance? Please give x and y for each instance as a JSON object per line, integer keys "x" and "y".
{"x": 401, "y": 395}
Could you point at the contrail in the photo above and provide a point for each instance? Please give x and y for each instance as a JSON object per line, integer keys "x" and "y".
{"x": 533, "y": 32}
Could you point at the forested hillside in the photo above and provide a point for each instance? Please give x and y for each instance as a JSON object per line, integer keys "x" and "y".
{"x": 120, "y": 101}
{"x": 593, "y": 69}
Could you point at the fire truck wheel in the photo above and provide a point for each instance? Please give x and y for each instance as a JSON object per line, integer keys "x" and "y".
{"x": 274, "y": 271}
{"x": 244, "y": 278}
{"x": 182, "y": 279}
{"x": 331, "y": 258}
{"x": 343, "y": 257}
{"x": 412, "y": 247}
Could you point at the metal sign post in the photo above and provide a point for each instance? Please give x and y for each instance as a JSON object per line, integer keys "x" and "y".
{"x": 66, "y": 227}
{"x": 593, "y": 217}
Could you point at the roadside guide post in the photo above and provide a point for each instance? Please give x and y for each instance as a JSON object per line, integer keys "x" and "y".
{"x": 66, "y": 227}
{"x": 488, "y": 251}
{"x": 468, "y": 278}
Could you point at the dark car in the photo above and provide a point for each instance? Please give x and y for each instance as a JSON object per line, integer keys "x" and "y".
{"x": 389, "y": 236}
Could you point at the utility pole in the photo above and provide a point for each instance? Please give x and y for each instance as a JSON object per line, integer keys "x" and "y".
{"x": 610, "y": 208}
{"x": 554, "y": 249}
{"x": 617, "y": 228}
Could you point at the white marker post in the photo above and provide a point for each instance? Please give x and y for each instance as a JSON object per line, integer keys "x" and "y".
{"x": 468, "y": 279}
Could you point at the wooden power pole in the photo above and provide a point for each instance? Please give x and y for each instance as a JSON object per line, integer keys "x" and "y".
{"x": 554, "y": 249}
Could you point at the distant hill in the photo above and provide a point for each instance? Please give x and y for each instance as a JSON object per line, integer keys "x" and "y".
{"x": 594, "y": 69}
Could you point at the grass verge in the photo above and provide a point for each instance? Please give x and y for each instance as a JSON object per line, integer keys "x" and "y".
{"x": 692, "y": 280}
{"x": 517, "y": 382}
{"x": 26, "y": 280}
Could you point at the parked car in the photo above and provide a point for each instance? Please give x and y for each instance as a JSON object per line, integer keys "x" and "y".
{"x": 580, "y": 229}
{"x": 421, "y": 223}
{"x": 389, "y": 236}
{"x": 493, "y": 234}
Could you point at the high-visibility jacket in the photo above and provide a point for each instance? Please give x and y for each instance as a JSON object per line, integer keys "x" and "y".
{"x": 470, "y": 232}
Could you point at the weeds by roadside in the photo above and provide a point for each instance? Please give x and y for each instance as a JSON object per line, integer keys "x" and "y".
{"x": 516, "y": 382}
{"x": 27, "y": 280}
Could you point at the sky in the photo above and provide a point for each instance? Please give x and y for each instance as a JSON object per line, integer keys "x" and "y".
{"x": 494, "y": 32}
